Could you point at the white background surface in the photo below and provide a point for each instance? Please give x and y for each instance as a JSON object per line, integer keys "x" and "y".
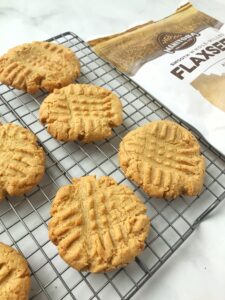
{"x": 197, "y": 270}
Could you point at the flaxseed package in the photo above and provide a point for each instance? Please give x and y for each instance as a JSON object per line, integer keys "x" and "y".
{"x": 180, "y": 60}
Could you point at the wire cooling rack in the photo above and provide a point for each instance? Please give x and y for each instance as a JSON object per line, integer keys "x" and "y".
{"x": 23, "y": 220}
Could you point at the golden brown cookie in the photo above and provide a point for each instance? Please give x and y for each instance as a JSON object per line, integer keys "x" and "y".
{"x": 37, "y": 65}
{"x": 98, "y": 225}
{"x": 164, "y": 159}
{"x": 14, "y": 275}
{"x": 22, "y": 161}
{"x": 81, "y": 112}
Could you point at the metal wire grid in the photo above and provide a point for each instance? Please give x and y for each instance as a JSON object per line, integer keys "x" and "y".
{"x": 23, "y": 222}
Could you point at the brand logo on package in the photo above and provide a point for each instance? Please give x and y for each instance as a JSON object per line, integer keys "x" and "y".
{"x": 171, "y": 42}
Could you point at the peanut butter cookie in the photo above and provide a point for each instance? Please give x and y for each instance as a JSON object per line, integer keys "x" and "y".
{"x": 14, "y": 275}
{"x": 98, "y": 225}
{"x": 81, "y": 112}
{"x": 21, "y": 160}
{"x": 164, "y": 159}
{"x": 36, "y": 65}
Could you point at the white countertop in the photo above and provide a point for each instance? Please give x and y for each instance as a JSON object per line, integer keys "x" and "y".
{"x": 197, "y": 270}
